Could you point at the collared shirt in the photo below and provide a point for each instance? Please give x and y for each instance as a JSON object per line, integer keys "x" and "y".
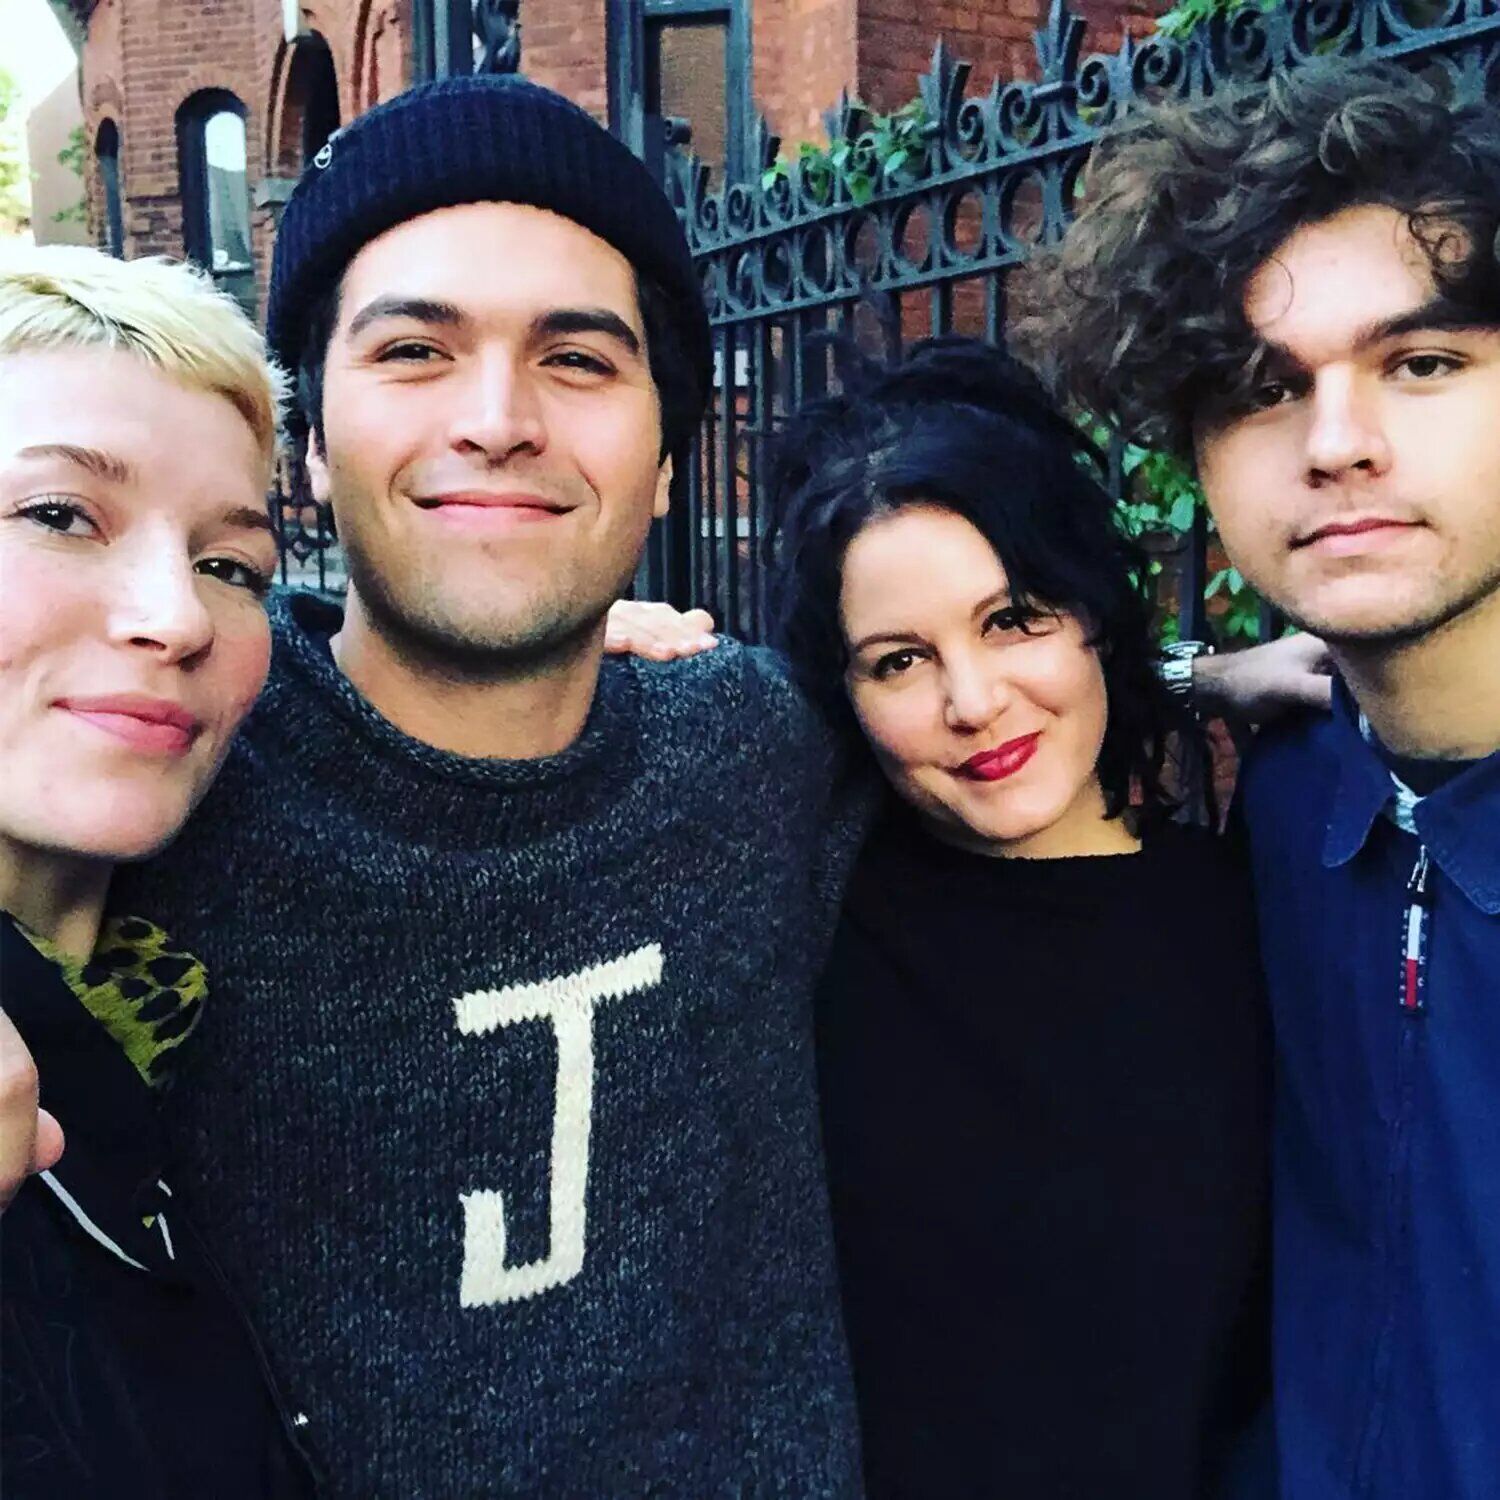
{"x": 1386, "y": 1194}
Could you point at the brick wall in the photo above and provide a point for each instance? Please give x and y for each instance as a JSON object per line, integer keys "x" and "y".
{"x": 805, "y": 56}
{"x": 808, "y": 51}
{"x": 562, "y": 46}
{"x": 144, "y": 58}
{"x": 896, "y": 38}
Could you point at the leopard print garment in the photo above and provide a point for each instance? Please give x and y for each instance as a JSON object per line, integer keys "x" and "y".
{"x": 147, "y": 994}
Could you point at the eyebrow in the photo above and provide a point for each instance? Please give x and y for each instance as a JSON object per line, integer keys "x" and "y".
{"x": 95, "y": 461}
{"x": 1437, "y": 315}
{"x": 113, "y": 470}
{"x": 560, "y": 321}
{"x": 249, "y": 517}
{"x": 416, "y": 309}
{"x": 565, "y": 320}
{"x": 998, "y": 600}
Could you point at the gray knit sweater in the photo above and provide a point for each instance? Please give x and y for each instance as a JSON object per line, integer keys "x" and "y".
{"x": 502, "y": 1118}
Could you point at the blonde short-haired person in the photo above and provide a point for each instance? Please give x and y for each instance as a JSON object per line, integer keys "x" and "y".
{"x": 136, "y": 434}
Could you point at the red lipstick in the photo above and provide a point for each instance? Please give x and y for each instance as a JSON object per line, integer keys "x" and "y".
{"x": 1005, "y": 760}
{"x": 151, "y": 724}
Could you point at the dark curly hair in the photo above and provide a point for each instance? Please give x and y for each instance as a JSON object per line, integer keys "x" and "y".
{"x": 1138, "y": 314}
{"x": 960, "y": 425}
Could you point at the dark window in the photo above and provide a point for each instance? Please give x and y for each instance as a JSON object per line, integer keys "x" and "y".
{"x": 216, "y": 192}
{"x": 686, "y": 60}
{"x": 314, "y": 83}
{"x": 107, "y": 154}
{"x": 687, "y": 78}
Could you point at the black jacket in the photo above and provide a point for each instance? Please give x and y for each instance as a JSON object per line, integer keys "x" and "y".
{"x": 125, "y": 1367}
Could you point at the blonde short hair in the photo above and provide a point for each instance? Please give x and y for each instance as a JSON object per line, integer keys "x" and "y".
{"x": 167, "y": 313}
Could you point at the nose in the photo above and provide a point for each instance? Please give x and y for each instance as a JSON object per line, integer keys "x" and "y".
{"x": 974, "y": 693}
{"x": 158, "y": 603}
{"x": 498, "y": 412}
{"x": 1345, "y": 435}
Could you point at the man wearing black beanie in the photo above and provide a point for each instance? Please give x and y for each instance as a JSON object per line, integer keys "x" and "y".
{"x": 505, "y": 1113}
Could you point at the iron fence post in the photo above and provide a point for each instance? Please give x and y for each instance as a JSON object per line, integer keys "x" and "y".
{"x": 442, "y": 39}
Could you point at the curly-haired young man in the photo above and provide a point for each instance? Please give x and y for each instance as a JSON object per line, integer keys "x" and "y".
{"x": 1298, "y": 288}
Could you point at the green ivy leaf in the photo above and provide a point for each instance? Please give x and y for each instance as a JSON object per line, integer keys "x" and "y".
{"x": 1180, "y": 517}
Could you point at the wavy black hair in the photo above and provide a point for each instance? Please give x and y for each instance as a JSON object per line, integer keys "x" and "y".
{"x": 960, "y": 425}
{"x": 1138, "y": 314}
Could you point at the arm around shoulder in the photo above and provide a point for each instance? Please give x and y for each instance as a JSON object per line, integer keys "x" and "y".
{"x": 1264, "y": 681}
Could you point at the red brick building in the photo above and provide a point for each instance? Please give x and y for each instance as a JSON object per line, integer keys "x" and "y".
{"x": 201, "y": 113}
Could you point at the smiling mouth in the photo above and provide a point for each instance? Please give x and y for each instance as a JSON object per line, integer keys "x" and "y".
{"x": 155, "y": 726}
{"x": 1005, "y": 760}
{"x": 516, "y": 504}
{"x": 1348, "y": 534}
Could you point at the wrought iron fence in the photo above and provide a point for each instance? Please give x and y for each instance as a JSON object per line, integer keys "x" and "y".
{"x": 797, "y": 250}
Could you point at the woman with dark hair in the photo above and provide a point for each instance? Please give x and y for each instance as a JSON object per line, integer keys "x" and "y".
{"x": 1040, "y": 1035}
{"x": 1040, "y": 1029}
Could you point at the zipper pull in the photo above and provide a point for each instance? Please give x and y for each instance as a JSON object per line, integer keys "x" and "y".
{"x": 1416, "y": 885}
{"x": 1414, "y": 938}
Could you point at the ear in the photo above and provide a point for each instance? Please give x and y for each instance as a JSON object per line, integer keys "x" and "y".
{"x": 317, "y": 470}
{"x": 663, "y": 489}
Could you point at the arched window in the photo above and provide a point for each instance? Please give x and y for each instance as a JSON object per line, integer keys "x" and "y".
{"x": 313, "y": 81}
{"x": 309, "y": 111}
{"x": 107, "y": 154}
{"x": 216, "y": 191}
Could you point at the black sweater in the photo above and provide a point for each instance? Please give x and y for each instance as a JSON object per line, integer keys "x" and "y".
{"x": 503, "y": 1120}
{"x": 126, "y": 1369}
{"x": 1044, "y": 1099}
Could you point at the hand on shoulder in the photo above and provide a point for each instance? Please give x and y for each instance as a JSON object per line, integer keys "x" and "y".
{"x": 30, "y": 1139}
{"x": 638, "y": 627}
{"x": 1265, "y": 681}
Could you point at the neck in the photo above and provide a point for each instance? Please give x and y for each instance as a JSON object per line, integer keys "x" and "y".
{"x": 1437, "y": 696}
{"x": 490, "y": 709}
{"x": 1081, "y": 831}
{"x": 60, "y": 897}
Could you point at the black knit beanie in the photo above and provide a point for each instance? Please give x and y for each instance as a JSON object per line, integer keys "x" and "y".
{"x": 477, "y": 139}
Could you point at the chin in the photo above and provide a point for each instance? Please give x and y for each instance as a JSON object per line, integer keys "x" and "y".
{"x": 119, "y": 833}
{"x": 1011, "y": 827}
{"x": 1375, "y": 619}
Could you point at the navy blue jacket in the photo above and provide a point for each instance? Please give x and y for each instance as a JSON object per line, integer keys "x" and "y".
{"x": 1386, "y": 1195}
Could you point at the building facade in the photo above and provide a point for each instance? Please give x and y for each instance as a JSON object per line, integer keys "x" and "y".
{"x": 58, "y": 213}
{"x": 199, "y": 115}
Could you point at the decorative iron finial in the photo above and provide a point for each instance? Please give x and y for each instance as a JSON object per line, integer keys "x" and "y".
{"x": 1057, "y": 51}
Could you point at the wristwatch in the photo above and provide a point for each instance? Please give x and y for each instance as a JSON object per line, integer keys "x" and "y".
{"x": 1174, "y": 668}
